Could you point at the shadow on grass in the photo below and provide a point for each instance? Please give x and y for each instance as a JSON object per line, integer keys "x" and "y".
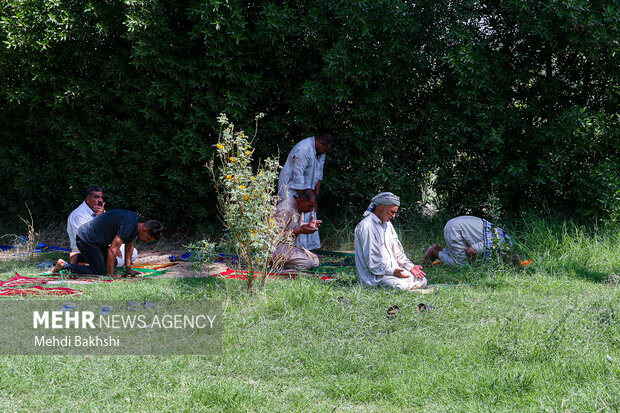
{"x": 586, "y": 273}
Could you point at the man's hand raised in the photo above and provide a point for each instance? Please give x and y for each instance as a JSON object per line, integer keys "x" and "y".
{"x": 99, "y": 209}
{"x": 306, "y": 229}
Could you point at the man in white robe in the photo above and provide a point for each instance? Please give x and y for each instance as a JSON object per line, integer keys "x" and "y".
{"x": 379, "y": 255}
{"x": 288, "y": 217}
{"x": 467, "y": 237}
{"x": 92, "y": 206}
{"x": 304, "y": 169}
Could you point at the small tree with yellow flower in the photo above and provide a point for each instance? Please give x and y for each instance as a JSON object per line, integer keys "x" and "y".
{"x": 247, "y": 201}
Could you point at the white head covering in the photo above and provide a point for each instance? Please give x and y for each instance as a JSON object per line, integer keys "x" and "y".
{"x": 384, "y": 198}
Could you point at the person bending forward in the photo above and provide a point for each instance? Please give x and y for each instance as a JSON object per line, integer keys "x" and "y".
{"x": 100, "y": 239}
{"x": 467, "y": 238}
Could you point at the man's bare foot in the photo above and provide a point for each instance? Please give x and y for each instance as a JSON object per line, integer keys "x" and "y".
{"x": 432, "y": 253}
{"x": 58, "y": 266}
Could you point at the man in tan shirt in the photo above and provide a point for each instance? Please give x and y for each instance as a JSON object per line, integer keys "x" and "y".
{"x": 289, "y": 219}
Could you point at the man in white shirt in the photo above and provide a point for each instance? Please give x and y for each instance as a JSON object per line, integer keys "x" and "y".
{"x": 289, "y": 219}
{"x": 468, "y": 237}
{"x": 92, "y": 206}
{"x": 304, "y": 169}
{"x": 379, "y": 255}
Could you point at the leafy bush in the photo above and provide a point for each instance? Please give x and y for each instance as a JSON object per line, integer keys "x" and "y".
{"x": 514, "y": 101}
{"x": 247, "y": 201}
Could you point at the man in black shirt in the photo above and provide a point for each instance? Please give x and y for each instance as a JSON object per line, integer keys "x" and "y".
{"x": 100, "y": 239}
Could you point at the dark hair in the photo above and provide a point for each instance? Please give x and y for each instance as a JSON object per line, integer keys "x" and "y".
{"x": 307, "y": 195}
{"x": 326, "y": 138}
{"x": 92, "y": 189}
{"x": 154, "y": 228}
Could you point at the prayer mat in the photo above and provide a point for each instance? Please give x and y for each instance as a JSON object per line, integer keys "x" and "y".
{"x": 147, "y": 272}
{"x": 285, "y": 274}
{"x": 230, "y": 259}
{"x": 38, "y": 290}
{"x": 326, "y": 258}
{"x": 153, "y": 266}
{"x": 143, "y": 273}
{"x": 75, "y": 281}
{"x": 336, "y": 258}
{"x": 41, "y": 247}
{"x": 27, "y": 287}
{"x": 184, "y": 257}
{"x": 331, "y": 264}
{"x": 20, "y": 281}
{"x": 243, "y": 275}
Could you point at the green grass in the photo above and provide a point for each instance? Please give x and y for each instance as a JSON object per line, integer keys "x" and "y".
{"x": 546, "y": 339}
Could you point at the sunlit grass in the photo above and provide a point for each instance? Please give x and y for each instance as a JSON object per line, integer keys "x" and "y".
{"x": 545, "y": 339}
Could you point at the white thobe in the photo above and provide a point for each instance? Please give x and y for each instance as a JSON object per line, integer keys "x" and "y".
{"x": 80, "y": 216}
{"x": 303, "y": 169}
{"x": 289, "y": 219}
{"x": 460, "y": 233}
{"x": 378, "y": 252}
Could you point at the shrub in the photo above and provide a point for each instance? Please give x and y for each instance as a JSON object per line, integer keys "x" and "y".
{"x": 247, "y": 202}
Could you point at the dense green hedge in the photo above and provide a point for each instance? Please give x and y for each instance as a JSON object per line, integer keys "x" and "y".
{"x": 510, "y": 104}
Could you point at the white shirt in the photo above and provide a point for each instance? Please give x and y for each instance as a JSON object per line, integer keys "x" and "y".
{"x": 460, "y": 233}
{"x": 80, "y": 216}
{"x": 302, "y": 170}
{"x": 378, "y": 251}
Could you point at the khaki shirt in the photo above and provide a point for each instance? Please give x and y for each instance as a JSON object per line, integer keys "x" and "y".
{"x": 288, "y": 218}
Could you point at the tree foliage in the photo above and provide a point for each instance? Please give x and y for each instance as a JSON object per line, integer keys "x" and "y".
{"x": 513, "y": 100}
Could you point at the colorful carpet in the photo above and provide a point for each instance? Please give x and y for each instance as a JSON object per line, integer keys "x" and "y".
{"x": 38, "y": 290}
{"x": 20, "y": 281}
{"x": 332, "y": 264}
{"x": 145, "y": 271}
{"x": 336, "y": 258}
{"x": 243, "y": 275}
{"x": 20, "y": 285}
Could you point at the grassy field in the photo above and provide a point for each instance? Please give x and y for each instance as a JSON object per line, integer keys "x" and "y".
{"x": 544, "y": 339}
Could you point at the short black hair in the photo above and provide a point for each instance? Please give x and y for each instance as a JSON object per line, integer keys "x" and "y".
{"x": 154, "y": 228}
{"x": 92, "y": 189}
{"x": 307, "y": 195}
{"x": 326, "y": 138}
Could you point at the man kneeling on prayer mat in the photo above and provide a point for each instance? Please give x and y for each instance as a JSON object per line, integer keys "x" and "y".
{"x": 379, "y": 255}
{"x": 100, "y": 239}
{"x": 289, "y": 219}
{"x": 469, "y": 237}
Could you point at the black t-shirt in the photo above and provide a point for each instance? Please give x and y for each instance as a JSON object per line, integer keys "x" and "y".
{"x": 105, "y": 227}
